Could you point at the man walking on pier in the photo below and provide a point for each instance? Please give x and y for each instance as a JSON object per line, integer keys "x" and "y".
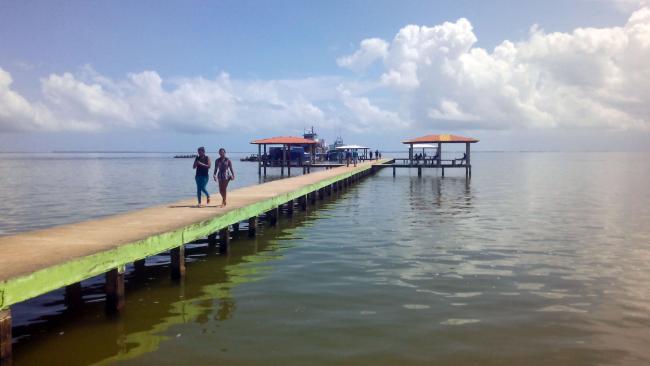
{"x": 202, "y": 165}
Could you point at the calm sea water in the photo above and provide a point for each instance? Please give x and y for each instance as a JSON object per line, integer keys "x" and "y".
{"x": 542, "y": 258}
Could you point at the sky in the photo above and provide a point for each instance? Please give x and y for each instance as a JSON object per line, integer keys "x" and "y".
{"x": 569, "y": 75}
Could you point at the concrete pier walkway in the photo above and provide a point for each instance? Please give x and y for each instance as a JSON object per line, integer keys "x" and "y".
{"x": 38, "y": 262}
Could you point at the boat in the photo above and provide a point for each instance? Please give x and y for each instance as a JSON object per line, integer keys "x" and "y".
{"x": 251, "y": 157}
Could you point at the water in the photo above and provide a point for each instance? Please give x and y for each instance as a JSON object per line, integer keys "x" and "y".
{"x": 542, "y": 258}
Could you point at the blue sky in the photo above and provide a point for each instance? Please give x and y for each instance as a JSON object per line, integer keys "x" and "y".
{"x": 83, "y": 75}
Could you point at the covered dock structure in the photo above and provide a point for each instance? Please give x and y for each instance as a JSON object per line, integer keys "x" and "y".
{"x": 355, "y": 149}
{"x": 437, "y": 160}
{"x": 286, "y": 142}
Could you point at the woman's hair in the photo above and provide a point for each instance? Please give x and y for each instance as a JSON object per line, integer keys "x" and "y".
{"x": 201, "y": 149}
{"x": 222, "y": 149}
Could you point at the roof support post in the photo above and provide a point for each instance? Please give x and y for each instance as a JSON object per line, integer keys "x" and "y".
{"x": 468, "y": 163}
{"x": 284, "y": 157}
{"x": 266, "y": 160}
{"x": 259, "y": 159}
{"x": 439, "y": 154}
{"x": 410, "y": 154}
{"x": 289, "y": 159}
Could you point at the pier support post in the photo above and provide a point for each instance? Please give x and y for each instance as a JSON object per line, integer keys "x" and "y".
{"x": 290, "y": 205}
{"x": 321, "y": 194}
{"x": 224, "y": 240}
{"x": 443, "y": 171}
{"x": 212, "y": 240}
{"x": 235, "y": 230}
{"x": 330, "y": 188}
{"x": 393, "y": 171}
{"x": 5, "y": 337}
{"x": 419, "y": 171}
{"x": 302, "y": 201}
{"x": 114, "y": 290}
{"x": 139, "y": 266}
{"x": 177, "y": 256}
{"x": 73, "y": 296}
{"x": 252, "y": 226}
{"x": 272, "y": 216}
{"x": 312, "y": 198}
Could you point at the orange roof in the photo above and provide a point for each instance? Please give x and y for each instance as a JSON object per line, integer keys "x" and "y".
{"x": 284, "y": 140}
{"x": 439, "y": 138}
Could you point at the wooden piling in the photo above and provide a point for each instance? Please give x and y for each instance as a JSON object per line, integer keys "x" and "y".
{"x": 212, "y": 240}
{"x": 302, "y": 201}
{"x": 114, "y": 289}
{"x": 139, "y": 266}
{"x": 290, "y": 205}
{"x": 177, "y": 256}
{"x": 252, "y": 226}
{"x": 5, "y": 337}
{"x": 224, "y": 240}
{"x": 420, "y": 171}
{"x": 272, "y": 216}
{"x": 73, "y": 295}
{"x": 235, "y": 230}
{"x": 312, "y": 197}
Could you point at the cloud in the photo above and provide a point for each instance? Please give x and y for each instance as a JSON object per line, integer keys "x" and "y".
{"x": 16, "y": 113}
{"x": 588, "y": 78}
{"x": 88, "y": 101}
{"x": 367, "y": 115}
{"x": 369, "y": 50}
{"x": 425, "y": 78}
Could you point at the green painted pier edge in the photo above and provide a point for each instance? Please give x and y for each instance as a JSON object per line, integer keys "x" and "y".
{"x": 112, "y": 262}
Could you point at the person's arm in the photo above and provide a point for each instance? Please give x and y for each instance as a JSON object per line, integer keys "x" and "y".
{"x": 202, "y": 164}
{"x": 196, "y": 160}
{"x": 231, "y": 170}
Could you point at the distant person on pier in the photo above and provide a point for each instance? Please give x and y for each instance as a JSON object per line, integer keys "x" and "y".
{"x": 202, "y": 166}
{"x": 370, "y": 155}
{"x": 348, "y": 157}
{"x": 377, "y": 154}
{"x": 223, "y": 174}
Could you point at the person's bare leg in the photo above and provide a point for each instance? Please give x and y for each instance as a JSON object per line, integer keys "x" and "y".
{"x": 225, "y": 191}
{"x": 222, "y": 191}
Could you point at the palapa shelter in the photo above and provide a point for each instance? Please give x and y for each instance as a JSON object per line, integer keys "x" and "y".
{"x": 355, "y": 148}
{"x": 437, "y": 160}
{"x": 286, "y": 142}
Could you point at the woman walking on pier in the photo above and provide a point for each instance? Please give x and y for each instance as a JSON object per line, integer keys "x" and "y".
{"x": 202, "y": 165}
{"x": 223, "y": 174}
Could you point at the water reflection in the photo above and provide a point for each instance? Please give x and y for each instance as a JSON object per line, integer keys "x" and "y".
{"x": 154, "y": 304}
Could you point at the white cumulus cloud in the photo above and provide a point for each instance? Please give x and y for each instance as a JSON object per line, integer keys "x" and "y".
{"x": 590, "y": 77}
{"x": 369, "y": 50}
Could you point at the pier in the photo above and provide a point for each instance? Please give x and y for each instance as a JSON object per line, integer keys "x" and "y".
{"x": 35, "y": 263}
